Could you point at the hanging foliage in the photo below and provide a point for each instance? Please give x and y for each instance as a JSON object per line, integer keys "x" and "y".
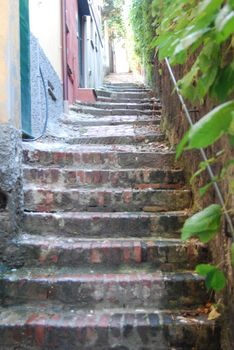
{"x": 113, "y": 14}
{"x": 204, "y": 29}
{"x": 142, "y": 20}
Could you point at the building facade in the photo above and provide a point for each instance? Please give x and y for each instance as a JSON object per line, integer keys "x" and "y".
{"x": 50, "y": 53}
{"x": 65, "y": 57}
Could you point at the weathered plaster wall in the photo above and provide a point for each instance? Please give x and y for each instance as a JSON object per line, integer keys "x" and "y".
{"x": 175, "y": 124}
{"x": 38, "y": 102}
{"x": 9, "y": 63}
{"x": 10, "y": 138}
{"x": 93, "y": 51}
{"x": 46, "y": 26}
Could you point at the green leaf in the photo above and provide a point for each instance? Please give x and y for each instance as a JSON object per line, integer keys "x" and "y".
{"x": 209, "y": 6}
{"x": 231, "y": 2}
{"x": 204, "y": 269}
{"x": 196, "y": 174}
{"x": 215, "y": 280}
{"x": 225, "y": 23}
{"x": 202, "y": 167}
{"x": 231, "y": 126}
{"x": 232, "y": 254}
{"x": 204, "y": 224}
{"x": 207, "y": 235}
{"x": 231, "y": 140}
{"x": 223, "y": 85}
{"x": 231, "y": 132}
{"x": 204, "y": 189}
{"x": 211, "y": 127}
{"x": 189, "y": 40}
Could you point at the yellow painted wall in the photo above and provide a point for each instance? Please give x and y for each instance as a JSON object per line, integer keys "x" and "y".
{"x": 9, "y": 63}
{"x": 45, "y": 24}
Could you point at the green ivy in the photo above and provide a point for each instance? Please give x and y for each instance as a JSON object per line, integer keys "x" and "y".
{"x": 214, "y": 277}
{"x": 209, "y": 128}
{"x": 204, "y": 224}
{"x": 204, "y": 30}
{"x": 203, "y": 27}
{"x": 181, "y": 30}
{"x": 142, "y": 20}
{"x": 113, "y": 14}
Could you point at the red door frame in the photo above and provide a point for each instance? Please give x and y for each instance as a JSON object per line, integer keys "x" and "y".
{"x": 70, "y": 49}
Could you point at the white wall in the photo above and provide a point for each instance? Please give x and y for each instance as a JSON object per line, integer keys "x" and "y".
{"x": 9, "y": 63}
{"x": 93, "y": 53}
{"x": 45, "y": 24}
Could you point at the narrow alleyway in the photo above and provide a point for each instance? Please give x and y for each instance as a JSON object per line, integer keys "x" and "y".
{"x": 100, "y": 262}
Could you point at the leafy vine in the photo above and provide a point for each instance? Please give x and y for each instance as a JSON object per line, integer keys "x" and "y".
{"x": 204, "y": 29}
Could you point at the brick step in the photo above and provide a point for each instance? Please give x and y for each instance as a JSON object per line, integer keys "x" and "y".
{"x": 78, "y": 120}
{"x": 104, "y": 199}
{"x": 105, "y": 112}
{"x": 97, "y": 288}
{"x": 166, "y": 254}
{"x": 121, "y": 106}
{"x": 73, "y": 178}
{"x": 103, "y": 225}
{"x": 34, "y": 327}
{"x": 128, "y": 156}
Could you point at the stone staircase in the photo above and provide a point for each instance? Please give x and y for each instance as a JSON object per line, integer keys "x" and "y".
{"x": 99, "y": 264}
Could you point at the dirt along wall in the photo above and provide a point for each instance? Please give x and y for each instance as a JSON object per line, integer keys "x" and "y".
{"x": 174, "y": 123}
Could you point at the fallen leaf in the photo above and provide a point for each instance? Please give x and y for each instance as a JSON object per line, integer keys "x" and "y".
{"x": 214, "y": 314}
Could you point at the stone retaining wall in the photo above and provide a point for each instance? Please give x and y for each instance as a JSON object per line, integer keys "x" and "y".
{"x": 174, "y": 123}
{"x": 11, "y": 196}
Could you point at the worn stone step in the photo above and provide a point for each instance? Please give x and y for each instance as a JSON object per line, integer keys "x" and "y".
{"x": 126, "y": 89}
{"x": 122, "y": 87}
{"x": 108, "y": 156}
{"x": 105, "y": 112}
{"x": 104, "y": 199}
{"x": 74, "y": 178}
{"x": 101, "y": 224}
{"x": 107, "y": 139}
{"x": 129, "y": 95}
{"x": 166, "y": 254}
{"x": 96, "y": 288}
{"x": 127, "y": 100}
{"x": 116, "y": 134}
{"x": 125, "y": 85}
{"x": 79, "y": 120}
{"x": 35, "y": 327}
{"x": 121, "y": 106}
